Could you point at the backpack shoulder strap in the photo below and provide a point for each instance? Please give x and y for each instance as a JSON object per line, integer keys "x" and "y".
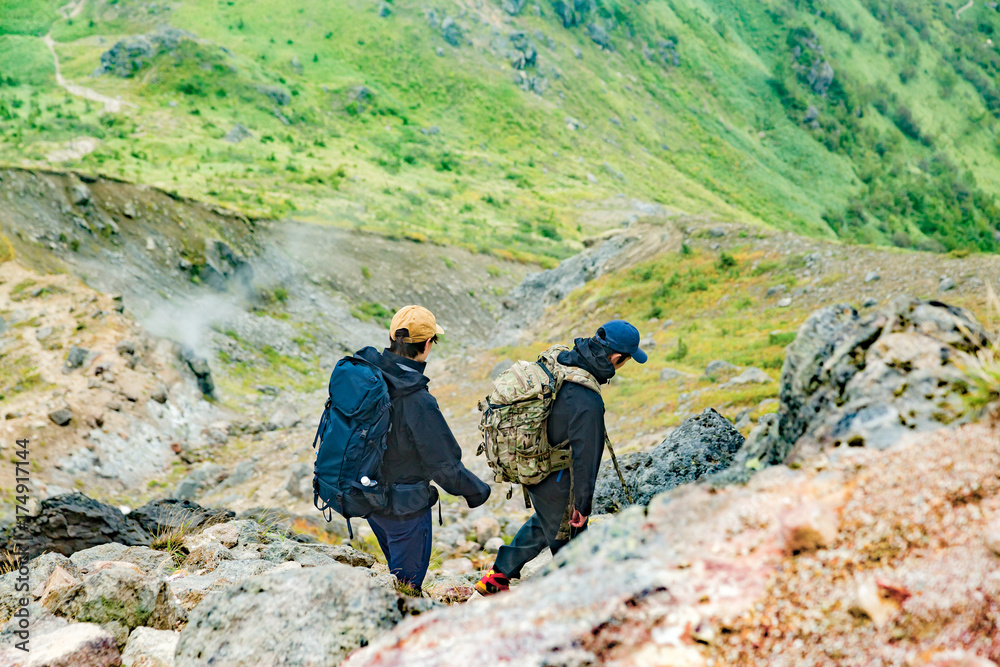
{"x": 549, "y": 359}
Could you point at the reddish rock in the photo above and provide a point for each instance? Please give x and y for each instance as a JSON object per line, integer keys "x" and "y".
{"x": 76, "y": 645}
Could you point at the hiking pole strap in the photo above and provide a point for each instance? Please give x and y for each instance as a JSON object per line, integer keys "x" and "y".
{"x": 614, "y": 460}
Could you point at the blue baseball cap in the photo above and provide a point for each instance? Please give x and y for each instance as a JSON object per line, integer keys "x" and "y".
{"x": 620, "y": 336}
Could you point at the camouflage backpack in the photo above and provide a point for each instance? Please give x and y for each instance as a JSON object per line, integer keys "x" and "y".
{"x": 515, "y": 413}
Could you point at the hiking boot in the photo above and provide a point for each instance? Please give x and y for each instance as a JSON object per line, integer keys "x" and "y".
{"x": 494, "y": 582}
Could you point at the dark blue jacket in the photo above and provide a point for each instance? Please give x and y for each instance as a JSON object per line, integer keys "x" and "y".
{"x": 420, "y": 446}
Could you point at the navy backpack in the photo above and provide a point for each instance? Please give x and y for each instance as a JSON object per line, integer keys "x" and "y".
{"x": 347, "y": 476}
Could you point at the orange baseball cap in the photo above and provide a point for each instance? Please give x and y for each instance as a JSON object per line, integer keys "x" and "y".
{"x": 418, "y": 321}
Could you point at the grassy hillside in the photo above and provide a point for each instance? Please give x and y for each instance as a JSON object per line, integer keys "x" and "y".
{"x": 459, "y": 122}
{"x": 739, "y": 298}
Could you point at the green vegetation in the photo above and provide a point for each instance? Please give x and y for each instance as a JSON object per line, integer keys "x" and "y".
{"x": 868, "y": 120}
{"x": 369, "y": 311}
{"x": 28, "y": 17}
{"x": 718, "y": 320}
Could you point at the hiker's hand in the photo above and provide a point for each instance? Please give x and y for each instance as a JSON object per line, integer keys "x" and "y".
{"x": 577, "y": 520}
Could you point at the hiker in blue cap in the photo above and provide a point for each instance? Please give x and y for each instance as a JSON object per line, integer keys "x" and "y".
{"x": 562, "y": 501}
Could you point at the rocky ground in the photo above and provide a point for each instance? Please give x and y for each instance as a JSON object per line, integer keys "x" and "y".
{"x": 101, "y": 401}
{"x": 864, "y": 534}
{"x": 880, "y": 558}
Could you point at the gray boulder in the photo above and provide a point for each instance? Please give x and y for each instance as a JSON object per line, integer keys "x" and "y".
{"x": 719, "y": 367}
{"x": 39, "y": 569}
{"x": 820, "y": 77}
{"x": 310, "y": 555}
{"x": 513, "y": 7}
{"x": 58, "y": 643}
{"x": 276, "y": 94}
{"x": 73, "y": 522}
{"x": 702, "y": 445}
{"x": 238, "y": 133}
{"x": 866, "y": 380}
{"x": 570, "y": 12}
{"x": 311, "y": 616}
{"x": 75, "y": 358}
{"x": 751, "y": 375}
{"x": 149, "y": 561}
{"x": 80, "y": 194}
{"x": 120, "y": 600}
{"x": 161, "y": 516}
{"x": 193, "y": 589}
{"x": 672, "y": 374}
{"x": 109, "y": 551}
{"x": 600, "y": 36}
{"x": 62, "y": 416}
{"x": 128, "y": 56}
{"x": 150, "y": 648}
{"x": 451, "y": 31}
{"x": 135, "y": 52}
{"x": 285, "y": 416}
{"x": 202, "y": 372}
{"x": 524, "y": 55}
{"x": 299, "y": 482}
{"x": 359, "y": 99}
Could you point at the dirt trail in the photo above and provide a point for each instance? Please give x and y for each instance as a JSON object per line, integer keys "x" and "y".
{"x": 958, "y": 12}
{"x": 74, "y": 149}
{"x": 111, "y": 105}
{"x": 72, "y": 9}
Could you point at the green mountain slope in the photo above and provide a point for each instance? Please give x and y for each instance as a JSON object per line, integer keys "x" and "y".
{"x": 487, "y": 123}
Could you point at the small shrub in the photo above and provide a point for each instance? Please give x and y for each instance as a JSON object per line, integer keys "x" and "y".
{"x": 725, "y": 261}
{"x": 901, "y": 240}
{"x": 782, "y": 338}
{"x": 696, "y": 286}
{"x": 371, "y": 311}
{"x": 680, "y": 352}
{"x": 549, "y": 231}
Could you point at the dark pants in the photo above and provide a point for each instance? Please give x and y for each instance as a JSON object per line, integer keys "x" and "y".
{"x": 549, "y": 499}
{"x": 406, "y": 544}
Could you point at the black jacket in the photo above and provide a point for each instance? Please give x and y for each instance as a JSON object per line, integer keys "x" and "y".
{"x": 578, "y": 416}
{"x": 420, "y": 446}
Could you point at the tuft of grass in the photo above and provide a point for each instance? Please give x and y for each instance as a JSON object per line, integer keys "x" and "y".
{"x": 6, "y": 249}
{"x": 404, "y": 588}
{"x": 8, "y": 562}
{"x": 370, "y": 311}
{"x": 171, "y": 540}
{"x": 982, "y": 370}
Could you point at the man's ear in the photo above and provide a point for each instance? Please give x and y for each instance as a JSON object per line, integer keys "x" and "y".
{"x": 614, "y": 357}
{"x": 427, "y": 344}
